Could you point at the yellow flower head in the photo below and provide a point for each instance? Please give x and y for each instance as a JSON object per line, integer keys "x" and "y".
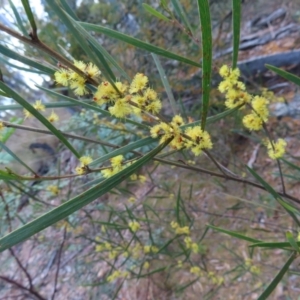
{"x": 154, "y": 107}
{"x": 260, "y": 106}
{"x": 26, "y": 113}
{"x": 117, "y": 161}
{"x": 224, "y": 71}
{"x": 79, "y": 87}
{"x": 277, "y": 150}
{"x": 53, "y": 189}
{"x": 80, "y": 170}
{"x": 53, "y": 117}
{"x": 80, "y": 65}
{"x": 132, "y": 200}
{"x": 1, "y": 125}
{"x": 174, "y": 225}
{"x": 106, "y": 173}
{"x": 253, "y": 122}
{"x": 92, "y": 70}
{"x": 146, "y": 265}
{"x": 139, "y": 83}
{"x": 177, "y": 120}
{"x": 105, "y": 93}
{"x": 199, "y": 139}
{"x": 62, "y": 77}
{"x": 121, "y": 87}
{"x": 134, "y": 226}
{"x": 142, "y": 178}
{"x": 182, "y": 230}
{"x": 121, "y": 108}
{"x": 85, "y": 160}
{"x": 195, "y": 270}
{"x": 38, "y": 105}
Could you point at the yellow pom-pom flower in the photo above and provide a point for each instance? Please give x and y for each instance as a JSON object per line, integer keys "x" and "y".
{"x": 53, "y": 117}
{"x": 196, "y": 270}
{"x": 85, "y": 160}
{"x": 253, "y": 122}
{"x": 277, "y": 150}
{"x": 121, "y": 108}
{"x": 134, "y": 226}
{"x": 139, "y": 83}
{"x": 62, "y": 77}
{"x": 38, "y": 105}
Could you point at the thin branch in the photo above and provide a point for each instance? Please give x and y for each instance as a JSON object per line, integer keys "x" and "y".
{"x": 6, "y": 207}
{"x": 22, "y": 268}
{"x": 35, "y": 42}
{"x": 58, "y": 263}
{"x": 228, "y": 177}
{"x": 22, "y": 287}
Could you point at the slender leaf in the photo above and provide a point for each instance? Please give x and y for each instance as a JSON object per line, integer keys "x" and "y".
{"x": 182, "y": 15}
{"x": 8, "y": 63}
{"x": 107, "y": 71}
{"x": 16, "y": 158}
{"x": 123, "y": 150}
{"x": 37, "y": 115}
{"x": 165, "y": 82}
{"x": 21, "y": 58}
{"x": 74, "y": 204}
{"x": 107, "y": 56}
{"x": 203, "y": 6}
{"x": 76, "y": 34}
{"x": 290, "y": 164}
{"x": 290, "y": 77}
{"x": 138, "y": 43}
{"x": 9, "y": 131}
{"x": 68, "y": 9}
{"x": 234, "y": 234}
{"x": 277, "y": 278}
{"x": 273, "y": 245}
{"x": 47, "y": 105}
{"x": 18, "y": 18}
{"x": 154, "y": 12}
{"x": 7, "y": 175}
{"x": 236, "y": 24}
{"x": 213, "y": 119}
{"x": 288, "y": 207}
{"x": 292, "y": 241}
{"x": 29, "y": 14}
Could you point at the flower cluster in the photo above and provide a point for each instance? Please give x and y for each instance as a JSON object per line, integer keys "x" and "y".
{"x": 126, "y": 100}
{"x": 180, "y": 230}
{"x": 117, "y": 165}
{"x": 237, "y": 96}
{"x": 135, "y": 252}
{"x": 53, "y": 189}
{"x": 259, "y": 114}
{"x": 196, "y": 270}
{"x": 185, "y": 230}
{"x": 83, "y": 167}
{"x": 252, "y": 268}
{"x": 134, "y": 226}
{"x": 234, "y": 90}
{"x": 276, "y": 149}
{"x": 193, "y": 138}
{"x": 76, "y": 82}
{"x": 39, "y": 106}
{"x": 215, "y": 279}
{"x": 117, "y": 274}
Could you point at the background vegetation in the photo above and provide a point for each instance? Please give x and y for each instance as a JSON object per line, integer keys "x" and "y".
{"x": 171, "y": 225}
